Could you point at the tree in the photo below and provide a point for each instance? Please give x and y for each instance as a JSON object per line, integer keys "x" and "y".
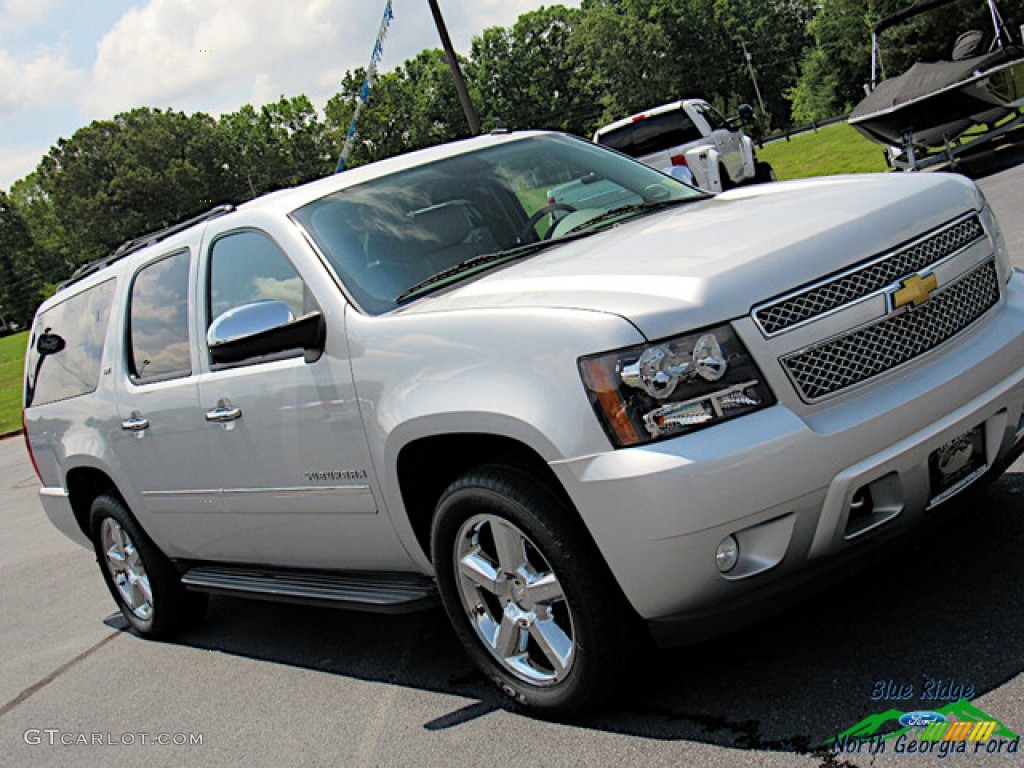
{"x": 414, "y": 106}
{"x": 280, "y": 145}
{"x": 631, "y": 59}
{"x": 647, "y": 52}
{"x": 116, "y": 179}
{"x": 20, "y": 280}
{"x": 533, "y": 75}
{"x": 835, "y": 71}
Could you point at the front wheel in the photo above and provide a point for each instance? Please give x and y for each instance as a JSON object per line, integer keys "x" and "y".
{"x": 526, "y": 592}
{"x": 140, "y": 578}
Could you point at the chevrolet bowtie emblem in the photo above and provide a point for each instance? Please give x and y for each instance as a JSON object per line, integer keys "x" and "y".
{"x": 915, "y": 290}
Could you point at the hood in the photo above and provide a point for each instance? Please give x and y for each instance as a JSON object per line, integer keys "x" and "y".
{"x": 712, "y": 261}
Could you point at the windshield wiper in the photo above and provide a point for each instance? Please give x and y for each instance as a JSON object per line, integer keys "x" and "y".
{"x": 466, "y": 266}
{"x": 484, "y": 259}
{"x": 634, "y": 208}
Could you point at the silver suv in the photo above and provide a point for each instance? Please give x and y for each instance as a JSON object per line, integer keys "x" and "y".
{"x": 411, "y": 380}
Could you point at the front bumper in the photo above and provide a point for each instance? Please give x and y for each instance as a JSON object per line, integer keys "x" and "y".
{"x": 783, "y": 483}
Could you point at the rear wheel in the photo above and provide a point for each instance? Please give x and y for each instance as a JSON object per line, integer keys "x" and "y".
{"x": 525, "y": 591}
{"x": 140, "y": 578}
{"x": 763, "y": 172}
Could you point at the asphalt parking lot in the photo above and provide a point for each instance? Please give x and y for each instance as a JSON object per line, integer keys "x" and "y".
{"x": 266, "y": 684}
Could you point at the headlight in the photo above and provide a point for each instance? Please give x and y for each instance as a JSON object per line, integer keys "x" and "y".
{"x": 671, "y": 387}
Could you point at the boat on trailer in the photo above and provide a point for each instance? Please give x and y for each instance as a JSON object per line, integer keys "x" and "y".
{"x": 922, "y": 114}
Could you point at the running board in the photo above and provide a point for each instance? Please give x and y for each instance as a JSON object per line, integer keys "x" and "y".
{"x": 362, "y": 591}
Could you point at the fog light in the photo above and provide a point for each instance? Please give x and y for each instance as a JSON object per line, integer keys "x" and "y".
{"x": 727, "y": 555}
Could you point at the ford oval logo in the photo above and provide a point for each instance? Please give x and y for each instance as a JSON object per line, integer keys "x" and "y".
{"x": 921, "y": 719}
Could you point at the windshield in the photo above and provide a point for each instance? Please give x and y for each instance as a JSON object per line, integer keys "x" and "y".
{"x": 396, "y": 232}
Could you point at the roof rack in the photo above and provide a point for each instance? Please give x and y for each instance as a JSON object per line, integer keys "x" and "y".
{"x": 138, "y": 243}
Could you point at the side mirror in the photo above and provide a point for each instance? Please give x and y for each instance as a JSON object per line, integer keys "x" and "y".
{"x": 265, "y": 328}
{"x": 49, "y": 344}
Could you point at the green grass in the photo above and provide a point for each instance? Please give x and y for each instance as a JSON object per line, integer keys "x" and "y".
{"x": 12, "y": 360}
{"x": 835, "y": 149}
{"x": 533, "y": 200}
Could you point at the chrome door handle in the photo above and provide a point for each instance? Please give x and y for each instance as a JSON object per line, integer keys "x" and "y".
{"x": 135, "y": 424}
{"x": 223, "y": 414}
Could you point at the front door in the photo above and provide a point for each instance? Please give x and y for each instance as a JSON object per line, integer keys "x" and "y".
{"x": 291, "y": 458}
{"x": 727, "y": 141}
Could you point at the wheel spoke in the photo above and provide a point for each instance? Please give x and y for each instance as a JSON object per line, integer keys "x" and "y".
{"x": 509, "y": 639}
{"x": 121, "y": 539}
{"x": 141, "y": 594}
{"x": 115, "y": 557}
{"x": 554, "y": 644}
{"x": 544, "y": 589}
{"x": 115, "y": 545}
{"x": 144, "y": 587}
{"x": 509, "y": 545}
{"x": 478, "y": 570}
{"x": 134, "y": 596}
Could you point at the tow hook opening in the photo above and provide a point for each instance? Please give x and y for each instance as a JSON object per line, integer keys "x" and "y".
{"x": 873, "y": 504}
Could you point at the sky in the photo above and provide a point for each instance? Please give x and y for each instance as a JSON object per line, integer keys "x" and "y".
{"x": 65, "y": 63}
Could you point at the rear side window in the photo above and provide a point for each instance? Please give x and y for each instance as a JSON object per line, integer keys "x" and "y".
{"x": 158, "y": 321}
{"x": 652, "y": 134}
{"x": 67, "y": 347}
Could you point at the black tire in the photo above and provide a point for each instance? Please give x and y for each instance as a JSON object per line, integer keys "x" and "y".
{"x": 727, "y": 182}
{"x": 157, "y": 605}
{"x": 588, "y": 619}
{"x": 763, "y": 172}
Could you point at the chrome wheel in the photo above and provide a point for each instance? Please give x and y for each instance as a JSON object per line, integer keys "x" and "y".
{"x": 513, "y": 600}
{"x": 126, "y": 569}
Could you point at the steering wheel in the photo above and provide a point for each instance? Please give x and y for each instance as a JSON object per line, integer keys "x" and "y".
{"x": 540, "y": 214}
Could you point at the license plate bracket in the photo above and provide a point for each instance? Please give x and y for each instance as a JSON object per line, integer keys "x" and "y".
{"x": 956, "y": 464}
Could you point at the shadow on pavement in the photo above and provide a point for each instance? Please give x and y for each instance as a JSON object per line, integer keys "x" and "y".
{"x": 948, "y": 606}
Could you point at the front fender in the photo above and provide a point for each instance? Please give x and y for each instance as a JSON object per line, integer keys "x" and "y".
{"x": 508, "y": 373}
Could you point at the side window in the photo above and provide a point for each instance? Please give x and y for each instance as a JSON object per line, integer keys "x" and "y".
{"x": 158, "y": 321}
{"x": 67, "y": 347}
{"x": 715, "y": 120}
{"x": 248, "y": 266}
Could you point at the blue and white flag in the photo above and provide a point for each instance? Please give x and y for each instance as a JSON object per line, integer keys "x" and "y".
{"x": 371, "y": 78}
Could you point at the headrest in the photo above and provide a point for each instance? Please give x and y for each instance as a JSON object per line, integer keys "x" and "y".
{"x": 447, "y": 224}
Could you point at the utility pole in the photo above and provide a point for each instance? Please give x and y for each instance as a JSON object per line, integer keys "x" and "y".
{"x": 753, "y": 77}
{"x": 453, "y": 64}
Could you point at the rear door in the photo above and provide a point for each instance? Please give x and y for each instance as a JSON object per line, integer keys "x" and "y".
{"x": 162, "y": 446}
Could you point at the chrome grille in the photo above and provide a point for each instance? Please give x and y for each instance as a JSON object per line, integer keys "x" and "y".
{"x": 844, "y": 361}
{"x": 868, "y": 278}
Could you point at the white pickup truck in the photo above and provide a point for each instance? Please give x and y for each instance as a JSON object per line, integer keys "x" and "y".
{"x": 690, "y": 140}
